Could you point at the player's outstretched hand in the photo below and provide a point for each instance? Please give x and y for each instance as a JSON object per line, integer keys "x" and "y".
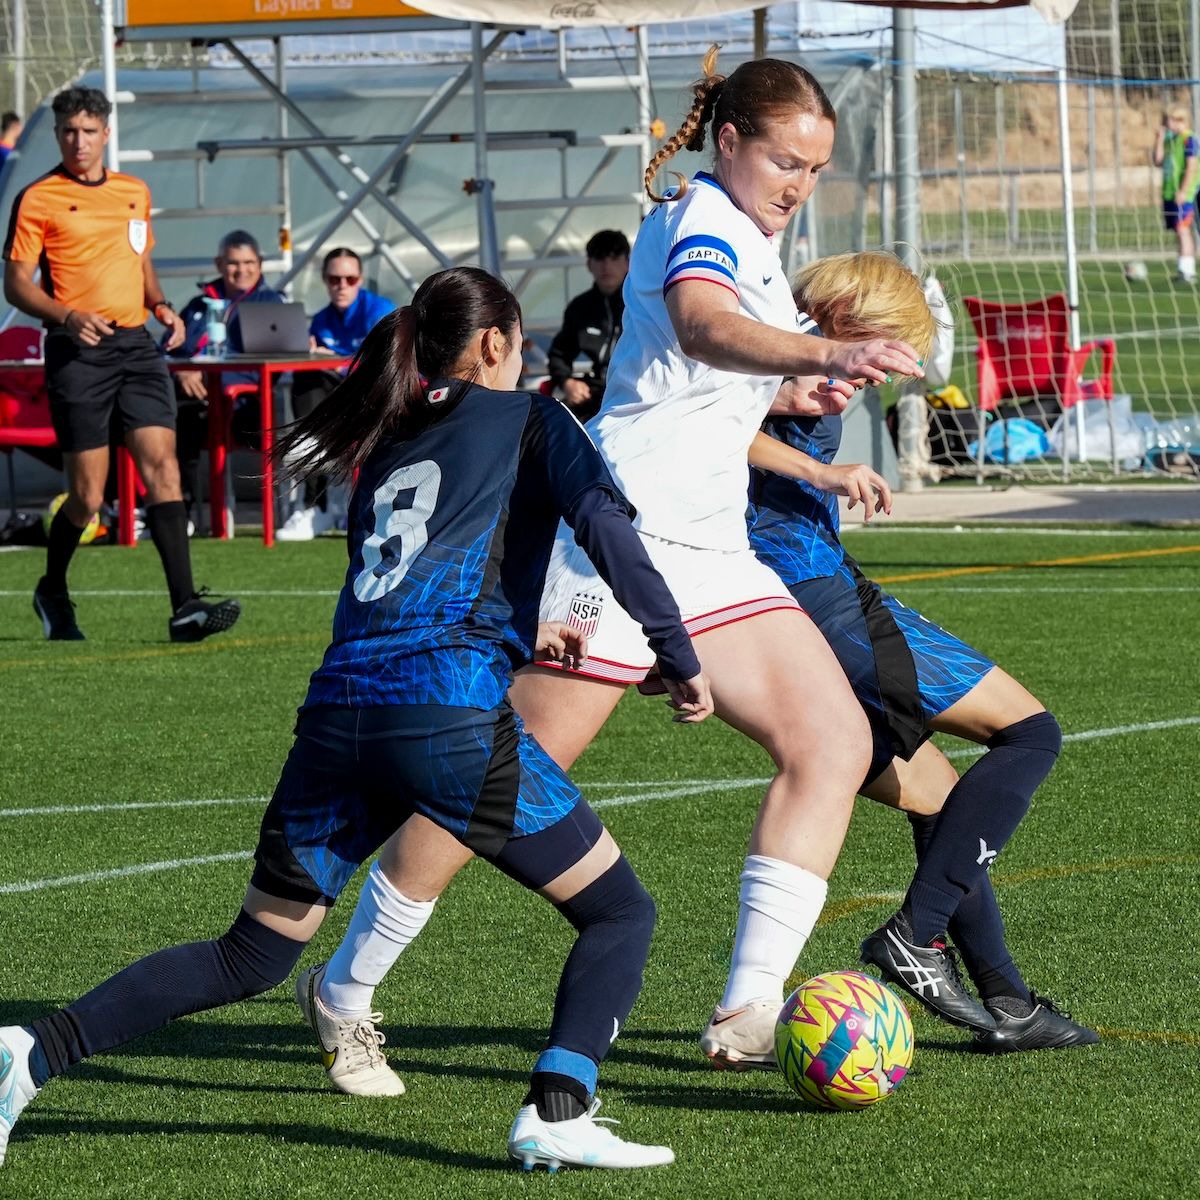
{"x": 858, "y": 482}
{"x": 810, "y": 396}
{"x": 691, "y": 699}
{"x": 874, "y": 361}
{"x": 560, "y": 642}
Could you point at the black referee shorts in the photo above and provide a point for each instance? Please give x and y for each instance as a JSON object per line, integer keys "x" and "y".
{"x": 125, "y": 372}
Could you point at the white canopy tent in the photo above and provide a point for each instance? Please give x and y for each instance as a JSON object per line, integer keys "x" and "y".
{"x": 223, "y": 21}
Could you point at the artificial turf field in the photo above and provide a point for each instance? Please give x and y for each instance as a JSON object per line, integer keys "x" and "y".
{"x": 134, "y": 774}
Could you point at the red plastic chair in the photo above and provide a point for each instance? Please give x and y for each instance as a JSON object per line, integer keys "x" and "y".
{"x": 1025, "y": 353}
{"x": 25, "y": 423}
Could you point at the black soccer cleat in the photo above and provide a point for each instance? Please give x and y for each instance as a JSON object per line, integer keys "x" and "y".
{"x": 57, "y": 614}
{"x": 927, "y": 973}
{"x": 198, "y": 618}
{"x": 1040, "y": 1025}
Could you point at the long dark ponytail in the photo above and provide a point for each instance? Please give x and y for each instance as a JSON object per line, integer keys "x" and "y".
{"x": 385, "y": 392}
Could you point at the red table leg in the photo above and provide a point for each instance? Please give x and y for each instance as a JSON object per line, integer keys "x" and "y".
{"x": 126, "y": 497}
{"x": 218, "y": 449}
{"x": 266, "y": 409}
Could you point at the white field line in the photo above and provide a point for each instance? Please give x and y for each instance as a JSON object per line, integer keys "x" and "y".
{"x": 1135, "y": 335}
{"x": 172, "y": 864}
{"x": 667, "y": 790}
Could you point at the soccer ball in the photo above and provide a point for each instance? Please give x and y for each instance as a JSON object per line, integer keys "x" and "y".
{"x": 844, "y": 1040}
{"x": 1136, "y": 271}
{"x": 89, "y": 534}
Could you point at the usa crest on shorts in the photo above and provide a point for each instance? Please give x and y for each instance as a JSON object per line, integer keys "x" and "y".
{"x": 585, "y": 613}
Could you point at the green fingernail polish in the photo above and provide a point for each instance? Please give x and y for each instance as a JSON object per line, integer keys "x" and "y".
{"x": 920, "y": 362}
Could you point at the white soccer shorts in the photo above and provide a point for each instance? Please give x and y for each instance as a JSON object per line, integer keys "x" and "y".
{"x": 711, "y": 587}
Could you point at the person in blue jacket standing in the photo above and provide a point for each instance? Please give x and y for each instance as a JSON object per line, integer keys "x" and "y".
{"x": 339, "y": 328}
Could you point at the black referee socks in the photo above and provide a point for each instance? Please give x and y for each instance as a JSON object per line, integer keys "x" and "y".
{"x": 168, "y": 527}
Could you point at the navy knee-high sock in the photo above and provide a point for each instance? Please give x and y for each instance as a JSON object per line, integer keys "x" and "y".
{"x": 600, "y": 982}
{"x": 977, "y": 928}
{"x": 171, "y": 983}
{"x": 980, "y": 815}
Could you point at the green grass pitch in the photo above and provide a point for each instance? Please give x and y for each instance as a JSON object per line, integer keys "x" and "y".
{"x": 171, "y": 750}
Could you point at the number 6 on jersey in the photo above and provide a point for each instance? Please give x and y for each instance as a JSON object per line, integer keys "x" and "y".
{"x": 399, "y": 534}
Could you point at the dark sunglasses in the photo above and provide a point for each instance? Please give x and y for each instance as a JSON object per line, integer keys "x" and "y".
{"x": 348, "y": 280}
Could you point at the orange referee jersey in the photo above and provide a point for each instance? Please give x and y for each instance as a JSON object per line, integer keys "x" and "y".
{"x": 89, "y": 239}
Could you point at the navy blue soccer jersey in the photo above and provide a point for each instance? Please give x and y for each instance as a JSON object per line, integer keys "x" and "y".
{"x": 450, "y": 533}
{"x": 793, "y": 525}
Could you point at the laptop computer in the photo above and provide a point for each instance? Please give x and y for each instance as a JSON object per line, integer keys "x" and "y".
{"x": 269, "y": 328}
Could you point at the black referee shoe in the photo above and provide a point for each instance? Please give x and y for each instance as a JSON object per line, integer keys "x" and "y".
{"x": 1039, "y": 1025}
{"x": 57, "y": 614}
{"x": 197, "y": 618}
{"x": 927, "y": 973}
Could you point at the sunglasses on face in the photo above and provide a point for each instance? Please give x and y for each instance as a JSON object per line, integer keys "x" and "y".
{"x": 348, "y": 280}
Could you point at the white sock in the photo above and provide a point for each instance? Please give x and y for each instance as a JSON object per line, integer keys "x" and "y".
{"x": 1187, "y": 264}
{"x": 779, "y": 904}
{"x": 384, "y": 923}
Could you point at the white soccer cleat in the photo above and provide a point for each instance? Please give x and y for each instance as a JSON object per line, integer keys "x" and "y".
{"x": 583, "y": 1142}
{"x": 304, "y": 525}
{"x": 350, "y": 1047}
{"x": 742, "y": 1039}
{"x": 16, "y": 1083}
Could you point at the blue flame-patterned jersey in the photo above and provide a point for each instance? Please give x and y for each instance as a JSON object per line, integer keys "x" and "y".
{"x": 793, "y": 525}
{"x": 449, "y": 536}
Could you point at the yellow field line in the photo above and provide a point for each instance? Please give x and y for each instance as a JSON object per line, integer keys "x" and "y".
{"x": 1074, "y": 561}
{"x": 169, "y": 651}
{"x": 853, "y": 905}
{"x": 1171, "y": 1036}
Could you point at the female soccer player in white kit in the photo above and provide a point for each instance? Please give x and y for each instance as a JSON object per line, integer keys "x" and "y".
{"x": 711, "y": 331}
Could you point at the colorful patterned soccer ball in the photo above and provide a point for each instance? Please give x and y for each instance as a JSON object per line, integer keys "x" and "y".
{"x": 89, "y": 534}
{"x": 844, "y": 1040}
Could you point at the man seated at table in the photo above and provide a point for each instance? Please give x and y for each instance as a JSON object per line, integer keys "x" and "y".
{"x": 339, "y": 328}
{"x": 239, "y": 281}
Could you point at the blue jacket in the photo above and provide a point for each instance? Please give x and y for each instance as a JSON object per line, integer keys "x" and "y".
{"x": 343, "y": 332}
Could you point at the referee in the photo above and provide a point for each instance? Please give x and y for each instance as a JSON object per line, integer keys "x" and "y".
{"x": 88, "y": 231}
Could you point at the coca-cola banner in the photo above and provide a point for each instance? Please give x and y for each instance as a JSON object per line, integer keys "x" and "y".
{"x": 556, "y": 13}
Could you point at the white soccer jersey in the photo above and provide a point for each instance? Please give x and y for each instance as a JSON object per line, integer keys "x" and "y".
{"x": 675, "y": 433}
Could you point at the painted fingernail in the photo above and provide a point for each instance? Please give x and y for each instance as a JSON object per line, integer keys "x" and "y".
{"x": 888, "y": 379}
{"x": 830, "y": 381}
{"x": 920, "y": 362}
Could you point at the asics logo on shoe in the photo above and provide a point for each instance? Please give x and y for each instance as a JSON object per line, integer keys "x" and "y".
{"x": 987, "y": 856}
{"x": 916, "y": 974}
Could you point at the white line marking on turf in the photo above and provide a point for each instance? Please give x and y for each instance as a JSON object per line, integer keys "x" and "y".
{"x": 172, "y": 864}
{"x": 59, "y": 810}
{"x": 662, "y": 790}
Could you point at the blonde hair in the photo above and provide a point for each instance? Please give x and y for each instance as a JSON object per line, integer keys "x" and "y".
{"x": 1180, "y": 112}
{"x": 758, "y": 92}
{"x": 867, "y": 295}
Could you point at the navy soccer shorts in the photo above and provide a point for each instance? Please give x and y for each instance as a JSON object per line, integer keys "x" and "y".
{"x": 125, "y": 372}
{"x": 355, "y": 775}
{"x": 1178, "y": 216}
{"x": 904, "y": 669}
